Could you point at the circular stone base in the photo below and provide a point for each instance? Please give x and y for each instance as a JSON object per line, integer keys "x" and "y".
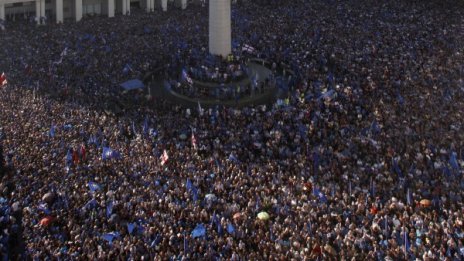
{"x": 267, "y": 96}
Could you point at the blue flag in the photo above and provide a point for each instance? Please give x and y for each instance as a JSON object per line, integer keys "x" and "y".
{"x": 309, "y": 227}
{"x": 133, "y": 128}
{"x": 372, "y": 188}
{"x": 93, "y": 140}
{"x": 199, "y": 231}
{"x": 327, "y": 95}
{"x": 330, "y": 79}
{"x": 108, "y": 153}
{"x": 156, "y": 240}
{"x": 257, "y": 202}
{"x": 185, "y": 244}
{"x": 320, "y": 195}
{"x": 91, "y": 204}
{"x": 195, "y": 194}
{"x": 385, "y": 226}
{"x": 375, "y": 129}
{"x": 233, "y": 158}
{"x": 220, "y": 229}
{"x": 109, "y": 209}
{"x": 214, "y": 219}
{"x": 408, "y": 197}
{"x": 52, "y": 131}
{"x": 43, "y": 207}
{"x": 110, "y": 236}
{"x": 396, "y": 168}
{"x": 188, "y": 185}
{"x": 130, "y": 227}
{"x": 145, "y": 126}
{"x": 453, "y": 161}
{"x": 407, "y": 244}
{"x": 230, "y": 228}
{"x": 93, "y": 186}
{"x": 68, "y": 158}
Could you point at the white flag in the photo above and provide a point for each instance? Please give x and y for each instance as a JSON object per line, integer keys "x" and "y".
{"x": 164, "y": 158}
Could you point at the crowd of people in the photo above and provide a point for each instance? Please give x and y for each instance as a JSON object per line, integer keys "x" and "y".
{"x": 364, "y": 160}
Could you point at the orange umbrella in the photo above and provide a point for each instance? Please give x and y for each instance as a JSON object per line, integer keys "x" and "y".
{"x": 237, "y": 215}
{"x": 46, "y": 221}
{"x": 425, "y": 203}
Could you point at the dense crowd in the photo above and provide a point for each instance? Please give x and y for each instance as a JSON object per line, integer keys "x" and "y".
{"x": 364, "y": 160}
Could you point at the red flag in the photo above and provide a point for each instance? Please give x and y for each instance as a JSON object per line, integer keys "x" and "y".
{"x": 3, "y": 80}
{"x": 194, "y": 141}
{"x": 28, "y": 69}
{"x": 83, "y": 152}
{"x": 75, "y": 157}
{"x": 164, "y": 158}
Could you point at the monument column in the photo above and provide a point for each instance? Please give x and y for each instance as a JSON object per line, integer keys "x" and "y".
{"x": 220, "y": 39}
{"x": 59, "y": 11}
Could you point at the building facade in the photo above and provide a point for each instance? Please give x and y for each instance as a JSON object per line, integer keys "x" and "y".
{"x": 49, "y": 11}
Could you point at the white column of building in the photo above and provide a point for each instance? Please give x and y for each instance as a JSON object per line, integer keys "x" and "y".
{"x": 42, "y": 9}
{"x": 59, "y": 11}
{"x": 37, "y": 11}
{"x": 152, "y": 5}
{"x": 220, "y": 41}
{"x": 148, "y": 5}
{"x": 125, "y": 7}
{"x": 110, "y": 8}
{"x": 183, "y": 4}
{"x": 78, "y": 10}
{"x": 2, "y": 11}
{"x": 164, "y": 5}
